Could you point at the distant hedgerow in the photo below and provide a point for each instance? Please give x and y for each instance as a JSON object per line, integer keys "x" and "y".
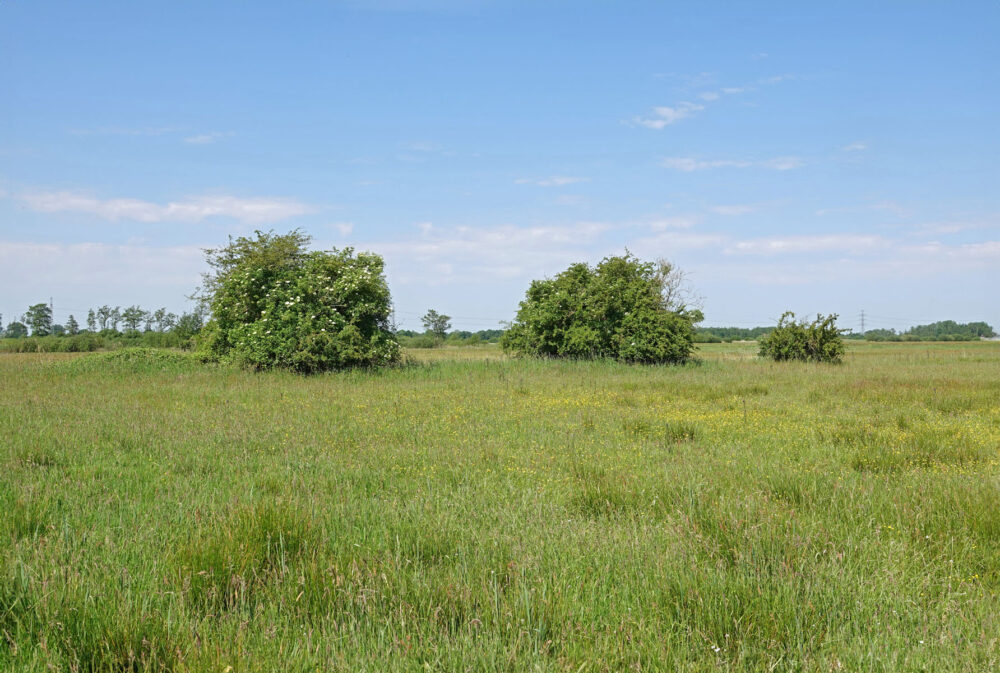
{"x": 276, "y": 304}
{"x": 623, "y": 308}
{"x": 819, "y": 341}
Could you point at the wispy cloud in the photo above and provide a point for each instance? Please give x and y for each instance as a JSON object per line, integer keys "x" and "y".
{"x": 824, "y": 243}
{"x": 947, "y": 227}
{"x": 206, "y": 138}
{"x": 781, "y": 163}
{"x": 664, "y": 116}
{"x": 884, "y": 206}
{"x": 254, "y": 210}
{"x": 421, "y": 146}
{"x": 418, "y": 151}
{"x": 856, "y": 146}
{"x": 153, "y": 131}
{"x": 675, "y": 222}
{"x": 691, "y": 164}
{"x": 442, "y": 255}
{"x": 553, "y": 181}
{"x": 80, "y": 273}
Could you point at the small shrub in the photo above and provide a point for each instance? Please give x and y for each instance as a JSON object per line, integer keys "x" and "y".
{"x": 133, "y": 361}
{"x": 422, "y": 341}
{"x": 819, "y": 341}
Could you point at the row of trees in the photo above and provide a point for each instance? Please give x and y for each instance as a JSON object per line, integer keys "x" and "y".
{"x": 944, "y": 330}
{"x": 37, "y": 322}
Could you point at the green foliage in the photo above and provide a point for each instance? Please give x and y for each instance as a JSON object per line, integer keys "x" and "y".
{"x": 819, "y": 341}
{"x": 411, "y": 339}
{"x": 618, "y": 309}
{"x": 133, "y": 316}
{"x": 87, "y": 341}
{"x": 134, "y": 361}
{"x": 39, "y": 319}
{"x": 419, "y": 341}
{"x": 943, "y": 330}
{"x": 275, "y": 304}
{"x": 727, "y": 334}
{"x": 436, "y": 324}
{"x": 16, "y": 330}
{"x": 79, "y": 343}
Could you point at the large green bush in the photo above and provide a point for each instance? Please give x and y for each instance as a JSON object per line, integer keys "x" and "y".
{"x": 623, "y": 308}
{"x": 276, "y": 304}
{"x": 819, "y": 341}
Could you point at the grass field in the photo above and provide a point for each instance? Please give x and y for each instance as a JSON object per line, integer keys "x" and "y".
{"x": 471, "y": 513}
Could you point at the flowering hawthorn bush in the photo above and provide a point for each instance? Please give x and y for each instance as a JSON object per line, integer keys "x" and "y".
{"x": 276, "y": 304}
{"x": 623, "y": 308}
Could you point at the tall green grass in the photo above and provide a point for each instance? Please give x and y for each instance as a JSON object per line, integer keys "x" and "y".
{"x": 470, "y": 512}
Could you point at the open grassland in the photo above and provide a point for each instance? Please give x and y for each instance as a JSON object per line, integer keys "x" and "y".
{"x": 474, "y": 513}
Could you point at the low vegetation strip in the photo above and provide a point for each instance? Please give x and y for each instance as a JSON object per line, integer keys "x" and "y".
{"x": 469, "y": 511}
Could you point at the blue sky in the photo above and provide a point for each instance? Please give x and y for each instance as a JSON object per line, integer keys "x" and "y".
{"x": 818, "y": 158}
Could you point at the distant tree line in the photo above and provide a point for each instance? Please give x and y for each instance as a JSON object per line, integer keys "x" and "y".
{"x": 411, "y": 339}
{"x": 105, "y": 327}
{"x": 944, "y": 330}
{"x": 727, "y": 334}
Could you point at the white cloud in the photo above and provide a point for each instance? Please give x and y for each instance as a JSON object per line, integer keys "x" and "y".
{"x": 690, "y": 164}
{"x": 676, "y": 222}
{"x": 81, "y": 275}
{"x": 553, "y": 181}
{"x": 443, "y": 255}
{"x": 982, "y": 251}
{"x": 841, "y": 243}
{"x": 782, "y": 163}
{"x": 206, "y": 138}
{"x": 893, "y": 207}
{"x": 665, "y": 116}
{"x": 344, "y": 228}
{"x": 667, "y": 243}
{"x": 856, "y": 146}
{"x": 956, "y": 226}
{"x": 885, "y": 206}
{"x": 255, "y": 210}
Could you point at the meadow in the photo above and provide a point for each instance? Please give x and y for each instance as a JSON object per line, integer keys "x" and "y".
{"x": 468, "y": 512}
